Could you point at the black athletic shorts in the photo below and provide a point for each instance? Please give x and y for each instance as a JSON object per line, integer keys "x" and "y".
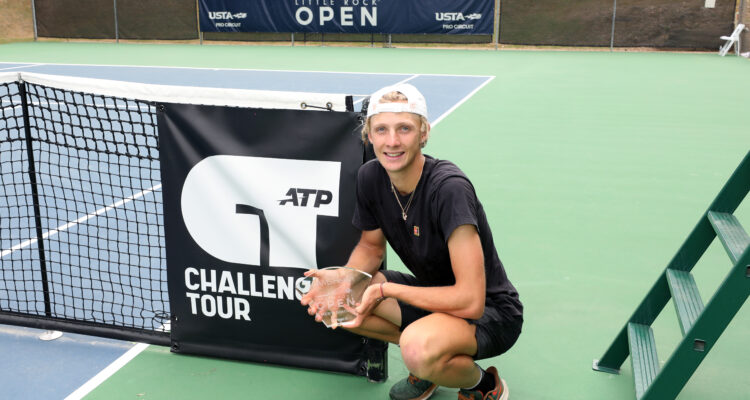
{"x": 496, "y": 332}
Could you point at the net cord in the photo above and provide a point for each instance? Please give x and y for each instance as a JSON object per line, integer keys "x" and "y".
{"x": 184, "y": 94}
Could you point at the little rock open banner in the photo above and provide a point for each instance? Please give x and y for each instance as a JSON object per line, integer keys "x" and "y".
{"x": 348, "y": 16}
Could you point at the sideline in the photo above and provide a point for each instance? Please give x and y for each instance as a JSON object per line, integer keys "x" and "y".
{"x": 104, "y": 374}
{"x": 462, "y": 101}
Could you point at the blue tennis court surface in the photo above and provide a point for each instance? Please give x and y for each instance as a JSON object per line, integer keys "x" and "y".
{"x": 444, "y": 91}
{"x": 33, "y": 369}
{"x": 90, "y": 203}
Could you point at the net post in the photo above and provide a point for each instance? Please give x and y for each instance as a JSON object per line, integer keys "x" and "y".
{"x": 35, "y": 196}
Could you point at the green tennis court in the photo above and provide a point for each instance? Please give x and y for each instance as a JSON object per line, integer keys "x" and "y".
{"x": 593, "y": 167}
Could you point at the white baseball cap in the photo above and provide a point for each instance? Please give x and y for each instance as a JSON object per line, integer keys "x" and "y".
{"x": 415, "y": 104}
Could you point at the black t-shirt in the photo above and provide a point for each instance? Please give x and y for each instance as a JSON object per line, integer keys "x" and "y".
{"x": 443, "y": 200}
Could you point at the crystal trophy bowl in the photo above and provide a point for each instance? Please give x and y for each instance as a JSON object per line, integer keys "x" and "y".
{"x": 336, "y": 292}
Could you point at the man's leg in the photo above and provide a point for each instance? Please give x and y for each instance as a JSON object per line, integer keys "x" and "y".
{"x": 385, "y": 321}
{"x": 439, "y": 348}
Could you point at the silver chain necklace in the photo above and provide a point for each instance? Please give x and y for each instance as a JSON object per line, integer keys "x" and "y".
{"x": 404, "y": 210}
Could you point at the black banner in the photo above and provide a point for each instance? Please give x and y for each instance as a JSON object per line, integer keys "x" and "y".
{"x": 90, "y": 19}
{"x": 252, "y": 199}
{"x": 638, "y": 23}
{"x": 348, "y": 16}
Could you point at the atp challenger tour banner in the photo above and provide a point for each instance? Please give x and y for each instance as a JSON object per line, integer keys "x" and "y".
{"x": 252, "y": 199}
{"x": 348, "y": 16}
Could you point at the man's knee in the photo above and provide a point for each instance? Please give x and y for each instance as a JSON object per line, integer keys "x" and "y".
{"x": 418, "y": 350}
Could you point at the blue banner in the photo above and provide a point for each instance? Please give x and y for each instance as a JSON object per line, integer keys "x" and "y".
{"x": 348, "y": 16}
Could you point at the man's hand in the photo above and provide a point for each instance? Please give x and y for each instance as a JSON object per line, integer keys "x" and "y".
{"x": 331, "y": 294}
{"x": 371, "y": 299}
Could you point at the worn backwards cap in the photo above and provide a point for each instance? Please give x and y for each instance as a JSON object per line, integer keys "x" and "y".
{"x": 415, "y": 101}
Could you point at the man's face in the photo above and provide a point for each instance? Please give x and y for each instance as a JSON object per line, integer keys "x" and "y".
{"x": 396, "y": 139}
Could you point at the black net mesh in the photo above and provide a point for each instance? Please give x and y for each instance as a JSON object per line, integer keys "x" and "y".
{"x": 96, "y": 167}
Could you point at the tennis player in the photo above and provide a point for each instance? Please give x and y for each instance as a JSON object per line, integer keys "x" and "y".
{"x": 457, "y": 305}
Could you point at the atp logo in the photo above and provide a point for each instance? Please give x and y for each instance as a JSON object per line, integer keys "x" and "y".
{"x": 231, "y": 208}
{"x": 299, "y": 197}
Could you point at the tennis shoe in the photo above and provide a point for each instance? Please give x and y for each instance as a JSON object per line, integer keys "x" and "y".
{"x": 499, "y": 392}
{"x": 412, "y": 388}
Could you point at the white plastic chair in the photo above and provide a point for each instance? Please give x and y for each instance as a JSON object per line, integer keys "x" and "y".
{"x": 732, "y": 40}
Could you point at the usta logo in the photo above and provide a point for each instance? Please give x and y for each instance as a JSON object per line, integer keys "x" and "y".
{"x": 226, "y": 15}
{"x": 456, "y": 16}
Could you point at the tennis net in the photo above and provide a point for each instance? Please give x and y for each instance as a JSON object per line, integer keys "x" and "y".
{"x": 81, "y": 220}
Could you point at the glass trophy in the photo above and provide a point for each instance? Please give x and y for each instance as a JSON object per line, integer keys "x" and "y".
{"x": 336, "y": 292}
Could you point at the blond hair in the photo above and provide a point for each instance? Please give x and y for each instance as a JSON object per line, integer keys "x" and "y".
{"x": 396, "y": 97}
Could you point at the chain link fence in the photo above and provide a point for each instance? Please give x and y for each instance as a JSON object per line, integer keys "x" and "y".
{"x": 674, "y": 24}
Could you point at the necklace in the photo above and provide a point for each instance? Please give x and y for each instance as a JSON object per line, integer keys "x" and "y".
{"x": 404, "y": 210}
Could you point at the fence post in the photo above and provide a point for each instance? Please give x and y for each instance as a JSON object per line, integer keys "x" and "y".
{"x": 117, "y": 29}
{"x": 612, "y": 36}
{"x": 496, "y": 33}
{"x": 198, "y": 21}
{"x": 743, "y": 17}
{"x": 33, "y": 17}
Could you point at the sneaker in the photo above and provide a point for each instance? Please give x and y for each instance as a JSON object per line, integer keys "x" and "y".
{"x": 500, "y": 392}
{"x": 412, "y": 388}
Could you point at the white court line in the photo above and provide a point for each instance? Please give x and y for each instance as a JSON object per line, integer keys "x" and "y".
{"x": 20, "y": 66}
{"x": 107, "y": 372}
{"x": 110, "y": 370}
{"x": 455, "y": 106}
{"x": 248, "y": 69}
{"x": 398, "y": 83}
{"x": 450, "y": 110}
{"x": 80, "y": 220}
{"x": 407, "y": 79}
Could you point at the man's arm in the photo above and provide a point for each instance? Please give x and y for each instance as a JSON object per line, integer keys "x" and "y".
{"x": 369, "y": 252}
{"x": 464, "y": 299}
{"x": 366, "y": 256}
